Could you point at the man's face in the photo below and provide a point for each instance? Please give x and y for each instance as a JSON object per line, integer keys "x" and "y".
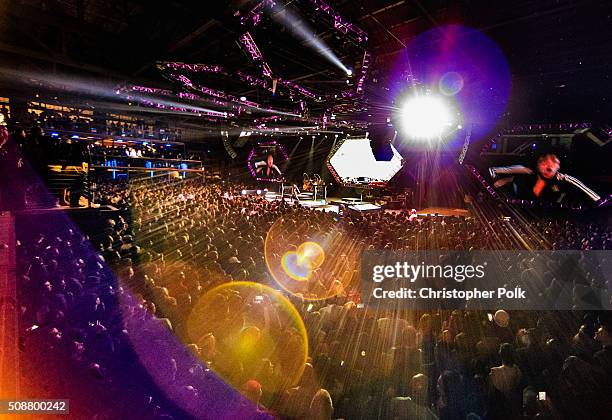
{"x": 548, "y": 166}
{"x": 270, "y": 160}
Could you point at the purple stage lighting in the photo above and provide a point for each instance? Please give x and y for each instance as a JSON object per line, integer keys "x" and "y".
{"x": 460, "y": 63}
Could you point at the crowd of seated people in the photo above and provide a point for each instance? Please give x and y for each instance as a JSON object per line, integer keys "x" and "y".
{"x": 173, "y": 241}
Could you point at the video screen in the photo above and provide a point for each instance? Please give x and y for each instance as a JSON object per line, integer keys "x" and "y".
{"x": 567, "y": 169}
{"x": 353, "y": 163}
{"x": 268, "y": 161}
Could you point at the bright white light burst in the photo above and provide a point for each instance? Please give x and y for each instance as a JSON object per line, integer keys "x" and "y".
{"x": 426, "y": 117}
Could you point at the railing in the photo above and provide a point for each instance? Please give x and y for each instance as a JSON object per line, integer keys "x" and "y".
{"x": 122, "y": 166}
{"x": 142, "y": 161}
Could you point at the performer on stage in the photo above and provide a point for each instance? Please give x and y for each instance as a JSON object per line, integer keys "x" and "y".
{"x": 545, "y": 183}
{"x": 295, "y": 192}
{"x": 267, "y": 167}
{"x": 413, "y": 215}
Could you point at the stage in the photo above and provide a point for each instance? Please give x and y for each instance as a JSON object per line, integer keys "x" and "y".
{"x": 443, "y": 211}
{"x": 355, "y": 204}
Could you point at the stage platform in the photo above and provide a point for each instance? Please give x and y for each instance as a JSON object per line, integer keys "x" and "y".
{"x": 328, "y": 208}
{"x": 365, "y": 207}
{"x": 349, "y": 201}
{"x": 313, "y": 203}
{"x": 443, "y": 211}
{"x": 333, "y": 204}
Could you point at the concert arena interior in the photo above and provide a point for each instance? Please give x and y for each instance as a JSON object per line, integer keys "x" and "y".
{"x": 306, "y": 209}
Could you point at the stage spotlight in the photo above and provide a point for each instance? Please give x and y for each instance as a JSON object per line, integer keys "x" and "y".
{"x": 349, "y": 72}
{"x": 425, "y": 117}
{"x": 303, "y": 31}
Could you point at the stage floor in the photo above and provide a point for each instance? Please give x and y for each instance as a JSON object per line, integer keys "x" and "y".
{"x": 443, "y": 211}
{"x": 330, "y": 205}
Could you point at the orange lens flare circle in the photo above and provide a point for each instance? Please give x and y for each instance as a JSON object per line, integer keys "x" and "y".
{"x": 312, "y": 260}
{"x": 299, "y": 265}
{"x": 296, "y": 267}
{"x": 312, "y": 252}
{"x": 248, "y": 331}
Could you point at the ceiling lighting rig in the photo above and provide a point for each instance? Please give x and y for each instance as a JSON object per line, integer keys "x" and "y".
{"x": 281, "y": 13}
{"x": 350, "y": 100}
{"x": 536, "y": 129}
{"x": 340, "y": 23}
{"x": 144, "y": 96}
{"x": 292, "y": 89}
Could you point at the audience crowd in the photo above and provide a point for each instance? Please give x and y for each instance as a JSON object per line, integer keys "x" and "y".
{"x": 86, "y": 300}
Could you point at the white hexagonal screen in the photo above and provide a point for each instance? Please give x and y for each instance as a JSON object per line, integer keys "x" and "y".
{"x": 354, "y": 163}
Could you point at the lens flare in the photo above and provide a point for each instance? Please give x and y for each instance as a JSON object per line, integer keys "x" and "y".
{"x": 248, "y": 331}
{"x": 296, "y": 267}
{"x": 311, "y": 252}
{"x": 461, "y": 63}
{"x": 299, "y": 265}
{"x": 451, "y": 83}
{"x": 313, "y": 261}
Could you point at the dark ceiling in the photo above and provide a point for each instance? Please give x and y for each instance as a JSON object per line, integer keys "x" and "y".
{"x": 559, "y": 52}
